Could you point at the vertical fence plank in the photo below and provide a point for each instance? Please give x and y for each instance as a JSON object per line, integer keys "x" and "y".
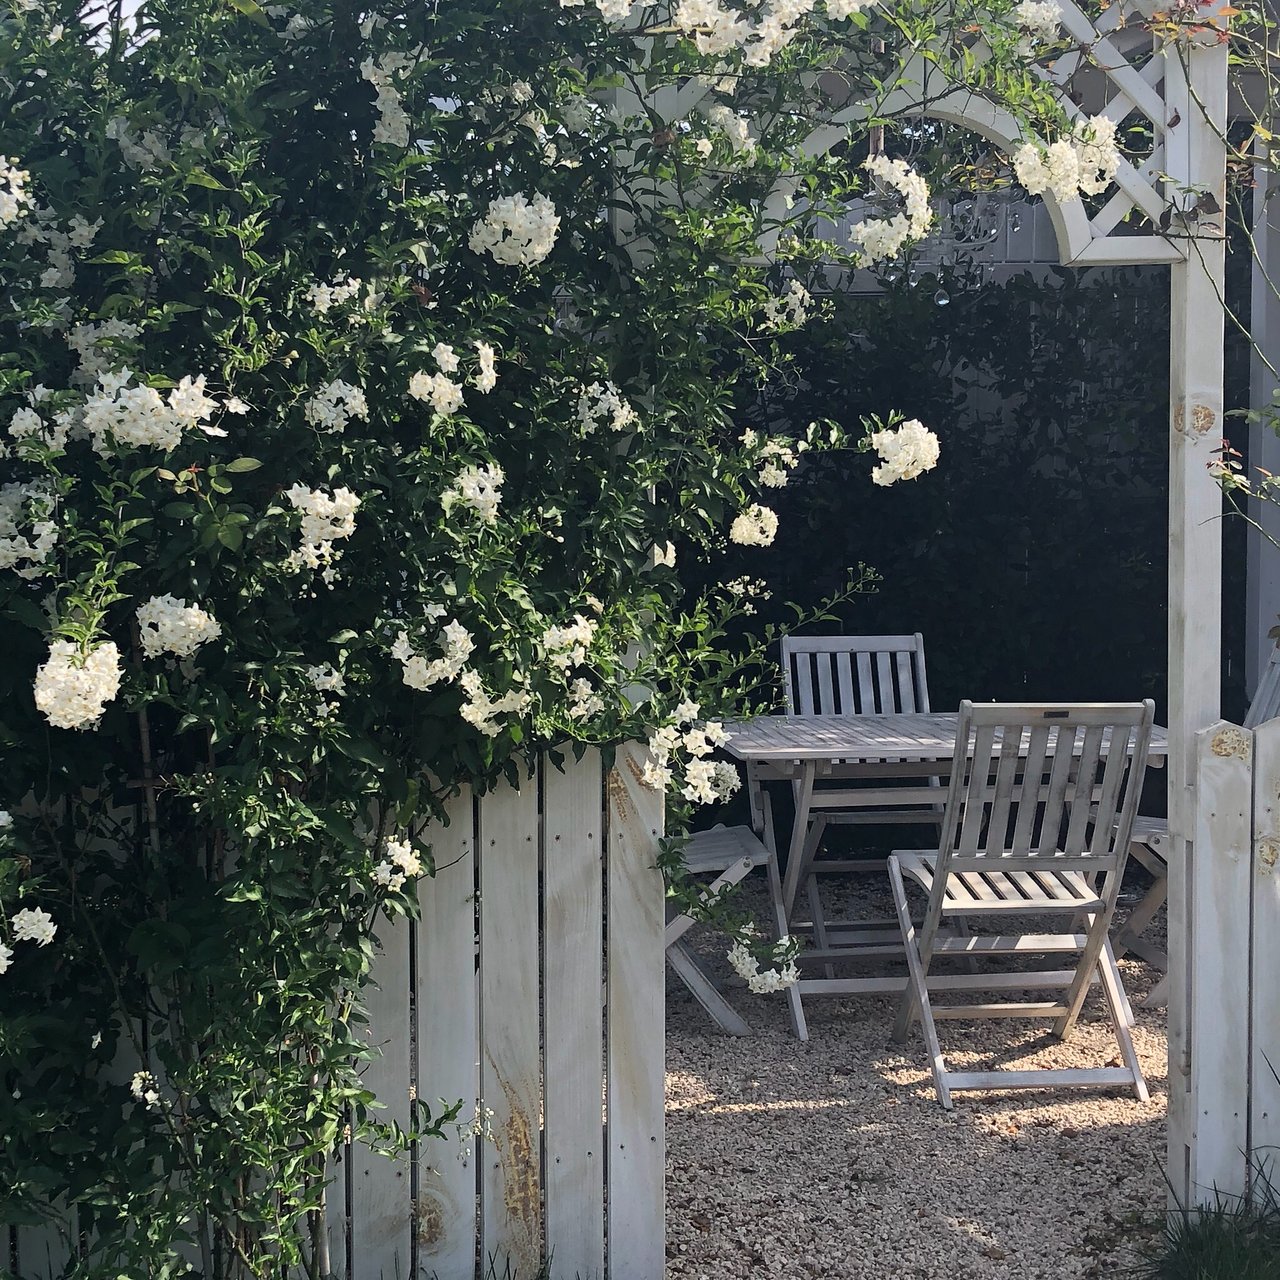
{"x": 573, "y": 881}
{"x": 44, "y": 1252}
{"x": 1219, "y": 885}
{"x": 636, "y": 1043}
{"x": 511, "y": 1065}
{"x": 1264, "y": 972}
{"x": 448, "y": 1044}
{"x": 381, "y": 1187}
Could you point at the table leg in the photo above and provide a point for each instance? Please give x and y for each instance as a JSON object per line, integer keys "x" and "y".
{"x": 799, "y": 834}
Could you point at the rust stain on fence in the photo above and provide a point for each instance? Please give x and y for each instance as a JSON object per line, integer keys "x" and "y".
{"x": 519, "y": 1156}
{"x": 1231, "y": 742}
{"x": 1268, "y": 855}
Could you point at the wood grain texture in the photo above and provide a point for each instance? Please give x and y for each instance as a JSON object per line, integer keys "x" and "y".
{"x": 636, "y": 1039}
{"x": 510, "y": 1035}
{"x": 573, "y": 976}
{"x": 448, "y": 1012}
{"x": 1264, "y": 1009}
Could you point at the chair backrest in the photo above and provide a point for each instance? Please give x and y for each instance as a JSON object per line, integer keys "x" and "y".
{"x": 854, "y": 675}
{"x": 1038, "y": 784}
{"x": 1266, "y": 698}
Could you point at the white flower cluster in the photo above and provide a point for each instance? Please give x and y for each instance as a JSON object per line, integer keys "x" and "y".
{"x": 614, "y": 11}
{"x": 119, "y": 416}
{"x": 15, "y": 199}
{"x": 776, "y": 458}
{"x": 145, "y": 150}
{"x": 43, "y": 229}
{"x": 393, "y": 121}
{"x": 601, "y": 403}
{"x": 326, "y": 678}
{"x": 703, "y": 780}
{"x": 72, "y": 687}
{"x": 761, "y": 982}
{"x": 486, "y": 372}
{"x": 87, "y": 339}
{"x": 326, "y": 518}
{"x": 907, "y": 452}
{"x": 746, "y": 591}
{"x": 322, "y": 298}
{"x": 517, "y": 231}
{"x": 1084, "y": 162}
{"x": 664, "y": 556}
{"x": 30, "y": 431}
{"x": 458, "y": 646}
{"x": 144, "y": 1088}
{"x": 584, "y": 702}
{"x": 718, "y": 29}
{"x": 567, "y": 646}
{"x": 790, "y": 309}
{"x": 479, "y": 488}
{"x": 482, "y": 711}
{"x": 734, "y": 127}
{"x": 755, "y": 527}
{"x": 335, "y": 405}
{"x": 31, "y": 924}
{"x": 28, "y": 533}
{"x": 838, "y": 10}
{"x": 880, "y": 238}
{"x": 169, "y": 625}
{"x": 400, "y": 863}
{"x": 1038, "y": 17}
{"x": 443, "y": 394}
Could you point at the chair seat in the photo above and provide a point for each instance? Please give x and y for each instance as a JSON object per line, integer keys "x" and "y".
{"x": 999, "y": 892}
{"x": 719, "y": 848}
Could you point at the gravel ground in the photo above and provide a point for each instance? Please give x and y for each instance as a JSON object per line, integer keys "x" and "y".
{"x": 834, "y": 1159}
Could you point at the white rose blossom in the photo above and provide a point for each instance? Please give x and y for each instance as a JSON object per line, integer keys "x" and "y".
{"x": 72, "y": 688}
{"x": 907, "y": 452}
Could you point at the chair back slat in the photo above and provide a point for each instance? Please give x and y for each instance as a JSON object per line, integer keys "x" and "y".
{"x": 854, "y": 675}
{"x": 1036, "y": 786}
{"x": 1266, "y": 699}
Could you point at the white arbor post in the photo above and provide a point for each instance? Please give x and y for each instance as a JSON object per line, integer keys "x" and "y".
{"x": 1196, "y": 98}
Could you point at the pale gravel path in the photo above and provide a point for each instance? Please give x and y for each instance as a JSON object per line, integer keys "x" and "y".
{"x": 833, "y": 1159}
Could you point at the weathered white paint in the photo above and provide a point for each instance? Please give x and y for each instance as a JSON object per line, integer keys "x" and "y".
{"x": 1264, "y": 1008}
{"x": 1195, "y": 158}
{"x": 448, "y": 1012}
{"x": 636, "y": 1068}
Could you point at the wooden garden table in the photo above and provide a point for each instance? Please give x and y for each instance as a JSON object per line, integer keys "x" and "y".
{"x": 910, "y": 751}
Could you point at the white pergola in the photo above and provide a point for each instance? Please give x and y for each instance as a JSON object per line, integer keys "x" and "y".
{"x": 1180, "y": 91}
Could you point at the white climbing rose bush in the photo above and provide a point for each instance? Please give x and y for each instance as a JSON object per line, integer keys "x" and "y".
{"x": 357, "y": 402}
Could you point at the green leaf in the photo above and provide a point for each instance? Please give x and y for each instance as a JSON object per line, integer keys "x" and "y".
{"x": 231, "y": 536}
{"x": 250, "y": 10}
{"x": 201, "y": 178}
{"x": 238, "y": 465}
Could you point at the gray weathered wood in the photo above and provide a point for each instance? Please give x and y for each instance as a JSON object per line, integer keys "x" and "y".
{"x": 510, "y": 1035}
{"x": 573, "y": 969}
{"x": 635, "y": 1033}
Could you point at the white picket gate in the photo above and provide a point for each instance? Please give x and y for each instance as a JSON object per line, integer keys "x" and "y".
{"x": 1234, "y": 982}
{"x": 533, "y": 983}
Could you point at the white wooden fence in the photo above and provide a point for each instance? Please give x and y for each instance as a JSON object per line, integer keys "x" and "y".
{"x": 1234, "y": 982}
{"x": 532, "y": 985}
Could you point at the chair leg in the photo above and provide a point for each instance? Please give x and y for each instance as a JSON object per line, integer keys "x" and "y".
{"x": 1121, "y": 1018}
{"x": 798, "y": 1023}
{"x": 1141, "y": 916}
{"x": 916, "y": 996}
{"x": 704, "y": 991}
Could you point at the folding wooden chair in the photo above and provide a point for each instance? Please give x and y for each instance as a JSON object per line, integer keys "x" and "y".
{"x": 862, "y": 676}
{"x": 1038, "y": 819}
{"x": 1150, "y": 845}
{"x": 730, "y": 853}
